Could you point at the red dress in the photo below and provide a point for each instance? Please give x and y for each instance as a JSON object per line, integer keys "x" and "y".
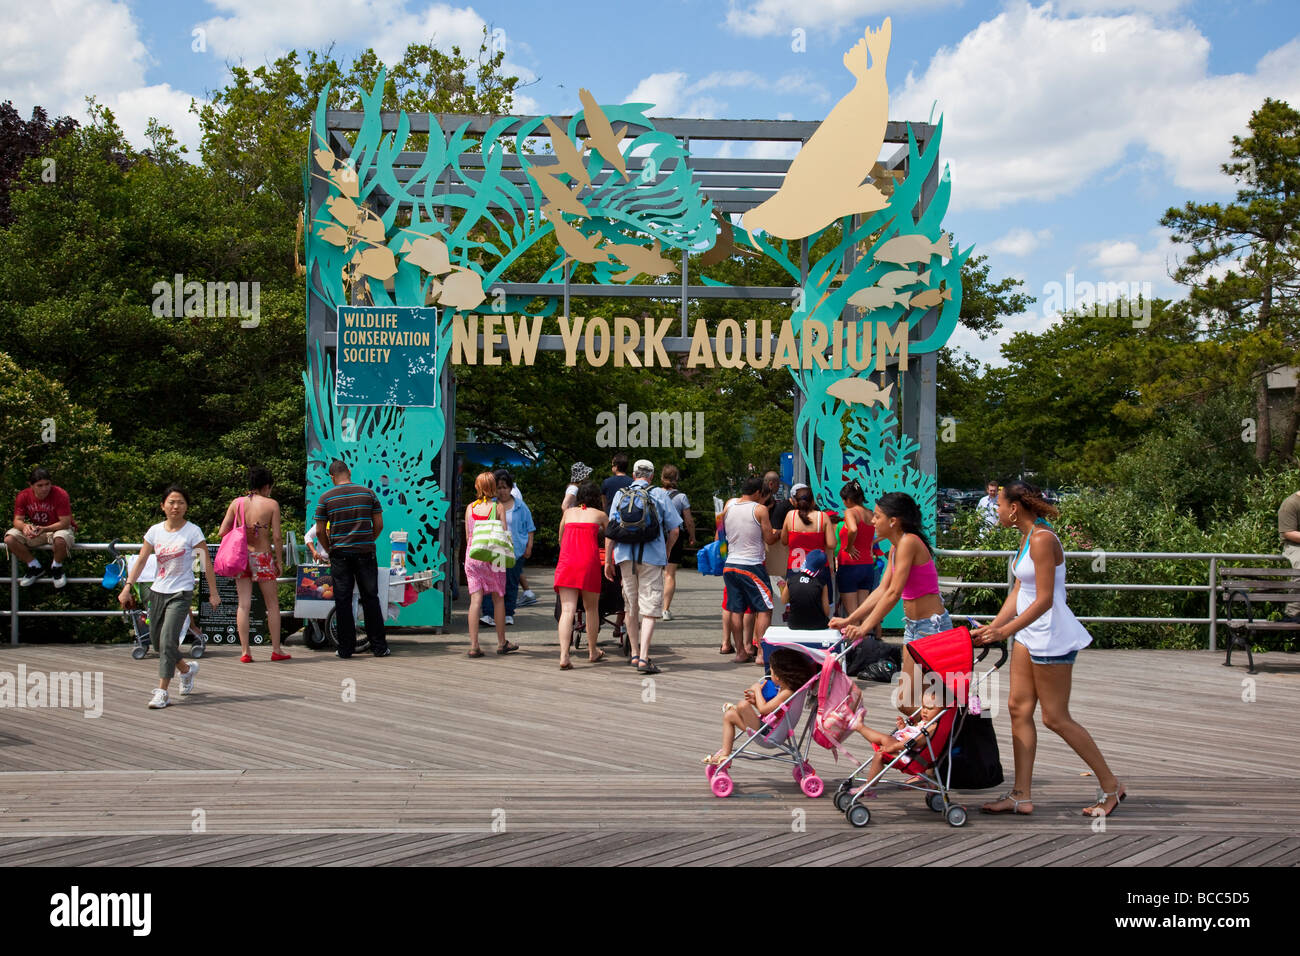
{"x": 579, "y": 565}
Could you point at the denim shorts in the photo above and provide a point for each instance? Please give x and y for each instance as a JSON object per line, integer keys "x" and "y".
{"x": 925, "y": 626}
{"x": 1063, "y": 659}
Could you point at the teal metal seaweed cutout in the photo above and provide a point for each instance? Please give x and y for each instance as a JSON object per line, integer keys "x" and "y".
{"x": 882, "y": 459}
{"x": 455, "y": 261}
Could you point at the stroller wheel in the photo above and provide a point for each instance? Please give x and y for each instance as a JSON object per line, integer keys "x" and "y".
{"x": 859, "y": 816}
{"x": 935, "y": 802}
{"x": 197, "y": 650}
{"x": 721, "y": 785}
{"x": 956, "y": 816}
{"x": 812, "y": 786}
{"x": 139, "y": 651}
{"x": 842, "y": 798}
{"x": 797, "y": 773}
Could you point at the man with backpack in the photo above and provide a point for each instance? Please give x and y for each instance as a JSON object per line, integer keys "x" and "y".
{"x": 643, "y": 526}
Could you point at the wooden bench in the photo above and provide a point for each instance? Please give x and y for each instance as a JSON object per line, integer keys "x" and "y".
{"x": 1243, "y": 590}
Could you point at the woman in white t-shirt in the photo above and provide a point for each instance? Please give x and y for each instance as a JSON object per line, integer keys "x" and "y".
{"x": 1047, "y": 638}
{"x": 173, "y": 542}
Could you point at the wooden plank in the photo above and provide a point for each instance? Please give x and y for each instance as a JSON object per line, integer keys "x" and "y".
{"x": 272, "y": 754}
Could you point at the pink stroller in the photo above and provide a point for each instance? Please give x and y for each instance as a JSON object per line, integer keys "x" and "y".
{"x": 824, "y": 706}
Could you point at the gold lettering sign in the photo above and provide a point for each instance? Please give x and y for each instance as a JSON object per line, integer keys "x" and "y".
{"x": 629, "y": 344}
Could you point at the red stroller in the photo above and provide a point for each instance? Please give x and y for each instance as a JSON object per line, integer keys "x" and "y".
{"x": 947, "y": 664}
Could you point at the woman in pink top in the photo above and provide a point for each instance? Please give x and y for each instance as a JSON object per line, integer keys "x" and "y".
{"x": 910, "y": 576}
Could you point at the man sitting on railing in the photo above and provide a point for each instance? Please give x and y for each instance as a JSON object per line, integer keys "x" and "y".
{"x": 1288, "y": 527}
{"x": 42, "y": 516}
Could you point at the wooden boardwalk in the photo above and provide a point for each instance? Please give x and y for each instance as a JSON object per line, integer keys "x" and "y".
{"x": 428, "y": 757}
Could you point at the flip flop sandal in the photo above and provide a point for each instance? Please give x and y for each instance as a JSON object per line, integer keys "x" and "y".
{"x": 567, "y": 666}
{"x": 478, "y": 653}
{"x": 1014, "y": 808}
{"x": 1119, "y": 795}
{"x": 508, "y": 649}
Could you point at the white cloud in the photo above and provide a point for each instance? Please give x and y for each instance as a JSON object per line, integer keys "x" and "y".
{"x": 49, "y": 58}
{"x": 673, "y": 93}
{"x": 134, "y": 108}
{"x": 1123, "y": 260}
{"x": 1020, "y": 242}
{"x": 255, "y": 30}
{"x": 664, "y": 90}
{"x": 988, "y": 350}
{"x": 759, "y": 18}
{"x": 1120, "y": 6}
{"x": 763, "y": 149}
{"x": 1037, "y": 106}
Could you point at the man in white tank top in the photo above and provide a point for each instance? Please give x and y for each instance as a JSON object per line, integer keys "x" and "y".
{"x": 749, "y": 531}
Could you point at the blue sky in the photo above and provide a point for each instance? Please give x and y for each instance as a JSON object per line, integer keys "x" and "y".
{"x": 1070, "y": 127}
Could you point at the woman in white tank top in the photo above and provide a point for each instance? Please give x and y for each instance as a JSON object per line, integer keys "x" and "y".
{"x": 1047, "y": 638}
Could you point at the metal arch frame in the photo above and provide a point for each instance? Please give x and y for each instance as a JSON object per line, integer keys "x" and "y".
{"x": 734, "y": 184}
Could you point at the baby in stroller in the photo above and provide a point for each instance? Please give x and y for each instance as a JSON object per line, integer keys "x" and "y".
{"x": 919, "y": 724}
{"x": 790, "y": 671}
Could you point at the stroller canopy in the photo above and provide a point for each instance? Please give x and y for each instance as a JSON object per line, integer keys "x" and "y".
{"x": 951, "y": 656}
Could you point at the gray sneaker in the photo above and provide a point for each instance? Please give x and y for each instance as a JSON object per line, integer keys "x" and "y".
{"x": 527, "y": 599}
{"x": 159, "y": 699}
{"x": 187, "y": 679}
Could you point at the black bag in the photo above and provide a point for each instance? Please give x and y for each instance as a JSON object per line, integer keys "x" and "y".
{"x": 874, "y": 660}
{"x": 636, "y": 518}
{"x": 976, "y": 764}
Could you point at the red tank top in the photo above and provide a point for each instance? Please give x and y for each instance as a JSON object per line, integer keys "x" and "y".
{"x": 866, "y": 538}
{"x": 801, "y": 542}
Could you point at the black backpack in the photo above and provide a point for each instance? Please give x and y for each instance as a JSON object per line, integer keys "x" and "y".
{"x": 874, "y": 660}
{"x": 636, "y": 520}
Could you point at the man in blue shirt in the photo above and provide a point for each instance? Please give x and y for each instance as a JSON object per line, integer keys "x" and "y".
{"x": 520, "y": 522}
{"x": 642, "y": 564}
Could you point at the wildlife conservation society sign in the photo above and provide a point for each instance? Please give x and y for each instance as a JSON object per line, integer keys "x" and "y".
{"x": 386, "y": 356}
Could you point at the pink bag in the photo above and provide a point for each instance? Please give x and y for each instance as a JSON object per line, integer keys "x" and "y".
{"x": 839, "y": 707}
{"x": 232, "y": 556}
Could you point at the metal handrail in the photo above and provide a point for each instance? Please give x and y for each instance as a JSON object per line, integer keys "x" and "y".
{"x": 15, "y": 613}
{"x": 1213, "y": 557}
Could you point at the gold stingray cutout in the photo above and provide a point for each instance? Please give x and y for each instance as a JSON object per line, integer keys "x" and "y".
{"x": 825, "y": 180}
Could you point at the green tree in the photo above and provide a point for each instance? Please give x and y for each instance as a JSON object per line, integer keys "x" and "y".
{"x": 1252, "y": 304}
